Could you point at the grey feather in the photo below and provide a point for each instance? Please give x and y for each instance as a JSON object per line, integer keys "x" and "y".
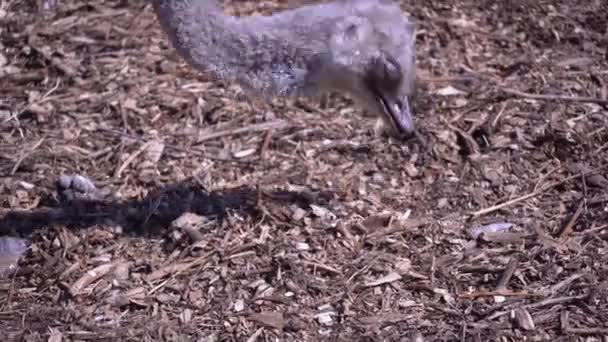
{"x": 299, "y": 52}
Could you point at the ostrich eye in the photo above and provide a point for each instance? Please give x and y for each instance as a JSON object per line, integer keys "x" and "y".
{"x": 392, "y": 72}
{"x": 384, "y": 73}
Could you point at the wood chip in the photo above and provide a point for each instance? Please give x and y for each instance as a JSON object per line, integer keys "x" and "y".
{"x": 523, "y": 319}
{"x": 389, "y": 278}
{"x": 270, "y": 319}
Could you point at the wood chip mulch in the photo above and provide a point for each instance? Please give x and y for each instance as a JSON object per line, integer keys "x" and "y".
{"x": 216, "y": 218}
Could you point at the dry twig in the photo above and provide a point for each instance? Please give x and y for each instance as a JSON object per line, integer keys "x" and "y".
{"x": 552, "y": 97}
{"x": 534, "y": 193}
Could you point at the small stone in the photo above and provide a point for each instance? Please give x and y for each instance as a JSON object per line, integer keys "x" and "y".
{"x": 298, "y": 214}
{"x": 239, "y": 305}
{"x": 302, "y": 246}
{"x": 411, "y": 170}
{"x": 325, "y": 318}
{"x": 121, "y": 272}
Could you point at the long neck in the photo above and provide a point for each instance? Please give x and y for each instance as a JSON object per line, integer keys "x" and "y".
{"x": 266, "y": 55}
{"x": 201, "y": 34}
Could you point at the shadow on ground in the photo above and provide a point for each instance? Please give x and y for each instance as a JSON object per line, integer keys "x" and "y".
{"x": 151, "y": 215}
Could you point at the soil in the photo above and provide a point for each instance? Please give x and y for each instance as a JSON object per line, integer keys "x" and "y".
{"x": 223, "y": 219}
